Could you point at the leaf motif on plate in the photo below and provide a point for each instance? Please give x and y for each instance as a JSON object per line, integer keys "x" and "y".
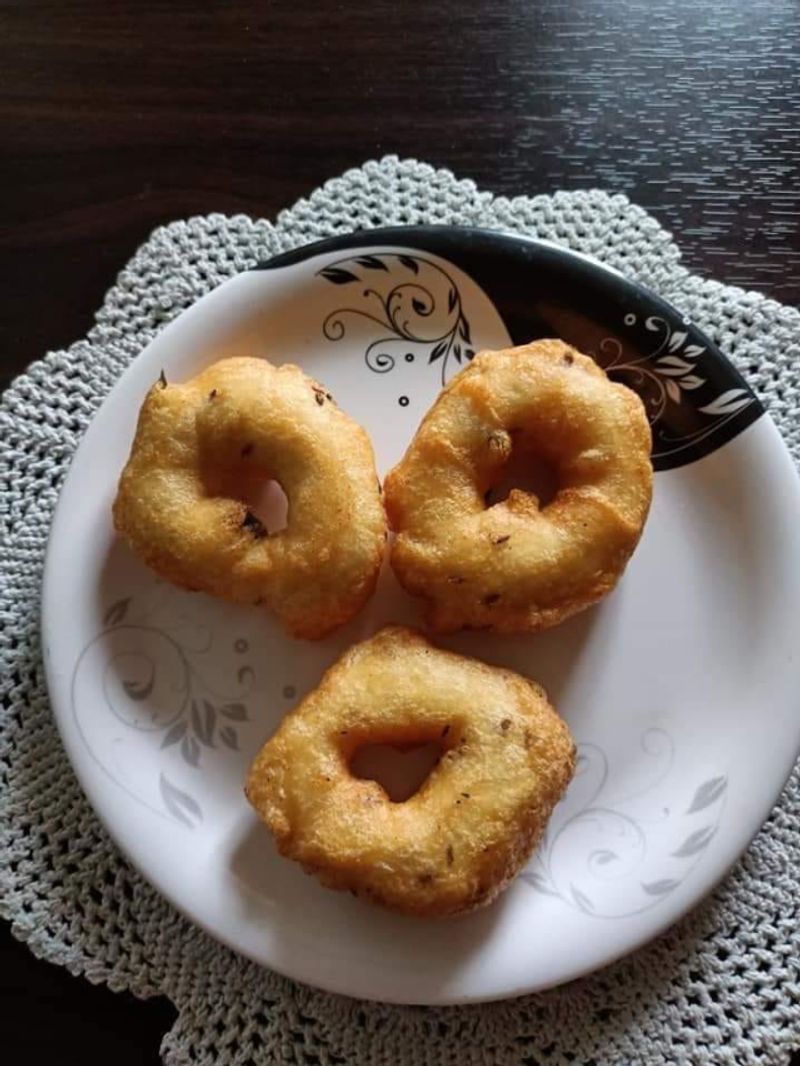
{"x": 228, "y": 737}
{"x": 695, "y": 842}
{"x": 197, "y": 724}
{"x": 659, "y": 888}
{"x": 190, "y": 750}
{"x": 337, "y": 275}
{"x": 410, "y": 263}
{"x": 673, "y": 365}
{"x": 179, "y": 803}
{"x": 539, "y": 883}
{"x": 371, "y": 262}
{"x": 677, "y": 339}
{"x": 174, "y": 734}
{"x": 691, "y": 381}
{"x": 236, "y": 712}
{"x": 116, "y": 612}
{"x": 203, "y": 722}
{"x": 438, "y": 352}
{"x": 728, "y": 403}
{"x": 582, "y": 900}
{"x": 708, "y": 793}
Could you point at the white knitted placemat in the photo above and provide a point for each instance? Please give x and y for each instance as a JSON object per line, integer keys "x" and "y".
{"x": 723, "y": 986}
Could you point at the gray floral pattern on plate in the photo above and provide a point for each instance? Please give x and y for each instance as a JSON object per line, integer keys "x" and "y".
{"x": 154, "y": 681}
{"x": 635, "y": 851}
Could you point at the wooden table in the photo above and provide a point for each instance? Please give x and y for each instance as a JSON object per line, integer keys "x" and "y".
{"x": 118, "y": 116}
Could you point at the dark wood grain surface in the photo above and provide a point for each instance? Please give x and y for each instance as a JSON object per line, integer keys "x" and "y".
{"x": 118, "y": 116}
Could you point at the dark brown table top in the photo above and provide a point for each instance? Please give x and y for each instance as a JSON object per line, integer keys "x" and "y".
{"x": 116, "y": 117}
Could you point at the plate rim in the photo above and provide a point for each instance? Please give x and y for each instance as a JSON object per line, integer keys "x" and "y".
{"x": 451, "y": 243}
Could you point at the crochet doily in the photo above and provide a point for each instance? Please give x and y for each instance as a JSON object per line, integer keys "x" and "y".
{"x": 723, "y": 986}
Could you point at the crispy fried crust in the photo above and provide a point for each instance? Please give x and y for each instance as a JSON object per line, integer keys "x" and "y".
{"x": 203, "y": 448}
{"x": 456, "y": 843}
{"x": 515, "y": 566}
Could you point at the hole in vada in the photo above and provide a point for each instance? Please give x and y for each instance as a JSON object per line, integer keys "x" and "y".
{"x": 269, "y": 504}
{"x": 233, "y": 466}
{"x": 400, "y": 769}
{"x": 528, "y": 471}
{"x": 266, "y": 502}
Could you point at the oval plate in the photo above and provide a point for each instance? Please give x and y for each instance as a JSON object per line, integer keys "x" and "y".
{"x": 681, "y": 688}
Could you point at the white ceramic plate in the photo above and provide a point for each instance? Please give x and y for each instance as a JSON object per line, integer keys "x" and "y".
{"x": 681, "y": 689}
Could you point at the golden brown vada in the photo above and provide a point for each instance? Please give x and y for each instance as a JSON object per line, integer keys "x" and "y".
{"x": 519, "y": 565}
{"x": 506, "y": 759}
{"x": 201, "y": 453}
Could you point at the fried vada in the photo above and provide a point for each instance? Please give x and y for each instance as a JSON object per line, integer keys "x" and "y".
{"x": 520, "y": 564}
{"x": 202, "y": 452}
{"x": 506, "y": 758}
